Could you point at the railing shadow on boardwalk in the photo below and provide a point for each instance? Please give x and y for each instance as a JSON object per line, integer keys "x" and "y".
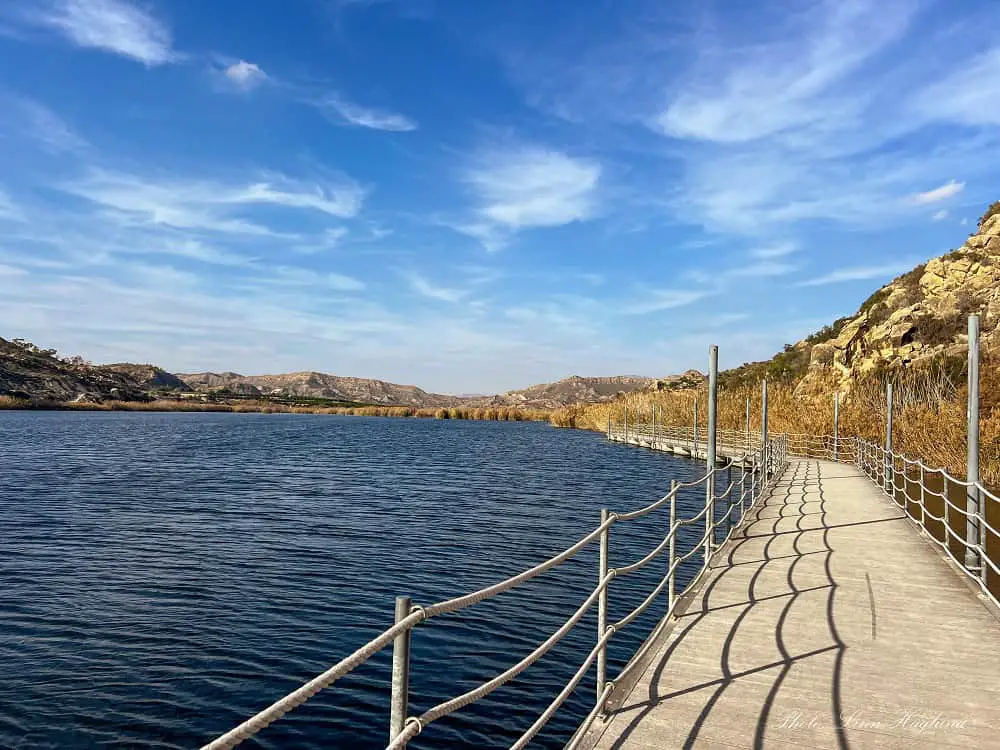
{"x": 804, "y": 486}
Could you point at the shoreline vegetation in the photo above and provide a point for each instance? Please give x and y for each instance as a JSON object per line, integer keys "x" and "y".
{"x": 929, "y": 419}
{"x": 929, "y": 415}
{"x": 481, "y": 413}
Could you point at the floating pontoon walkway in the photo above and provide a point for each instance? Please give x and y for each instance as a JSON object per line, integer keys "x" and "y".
{"x": 828, "y": 621}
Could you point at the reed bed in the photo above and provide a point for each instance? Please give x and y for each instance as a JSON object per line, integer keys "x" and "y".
{"x": 929, "y": 420}
{"x": 487, "y": 413}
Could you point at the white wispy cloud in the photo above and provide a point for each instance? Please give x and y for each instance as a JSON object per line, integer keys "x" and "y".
{"x": 766, "y": 89}
{"x": 8, "y": 209}
{"x": 425, "y": 288}
{"x": 778, "y": 250}
{"x": 491, "y": 236}
{"x": 244, "y": 75}
{"x": 342, "y": 111}
{"x": 859, "y": 273}
{"x": 6, "y": 270}
{"x": 115, "y": 26}
{"x": 967, "y": 95}
{"x": 167, "y": 244}
{"x": 211, "y": 205}
{"x": 29, "y": 119}
{"x": 530, "y": 186}
{"x": 297, "y": 276}
{"x": 761, "y": 269}
{"x": 944, "y": 192}
{"x": 817, "y": 114}
{"x": 940, "y": 215}
{"x": 656, "y": 300}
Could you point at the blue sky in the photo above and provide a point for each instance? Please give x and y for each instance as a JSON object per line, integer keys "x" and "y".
{"x": 477, "y": 196}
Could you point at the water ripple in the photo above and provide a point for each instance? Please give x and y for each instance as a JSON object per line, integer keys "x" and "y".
{"x": 167, "y": 575}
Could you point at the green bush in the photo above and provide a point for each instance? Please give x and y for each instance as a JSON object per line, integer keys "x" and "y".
{"x": 993, "y": 210}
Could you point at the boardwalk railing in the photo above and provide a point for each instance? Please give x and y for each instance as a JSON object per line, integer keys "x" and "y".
{"x": 959, "y": 516}
{"x": 925, "y": 494}
{"x": 690, "y": 437}
{"x": 737, "y": 496}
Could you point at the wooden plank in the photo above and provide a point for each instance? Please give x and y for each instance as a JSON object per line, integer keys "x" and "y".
{"x": 826, "y": 622}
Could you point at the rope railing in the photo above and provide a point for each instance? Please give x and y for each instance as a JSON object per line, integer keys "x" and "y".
{"x": 909, "y": 482}
{"x": 687, "y": 436}
{"x": 693, "y": 441}
{"x": 759, "y": 466}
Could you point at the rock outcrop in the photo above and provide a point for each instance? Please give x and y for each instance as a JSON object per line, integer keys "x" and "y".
{"x": 917, "y": 317}
{"x": 688, "y": 379}
{"x": 28, "y": 372}
{"x": 316, "y": 385}
{"x": 149, "y": 377}
{"x": 572, "y": 390}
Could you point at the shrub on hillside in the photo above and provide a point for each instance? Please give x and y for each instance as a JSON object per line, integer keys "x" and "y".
{"x": 993, "y": 210}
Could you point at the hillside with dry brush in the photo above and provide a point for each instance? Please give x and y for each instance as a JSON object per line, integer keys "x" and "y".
{"x": 911, "y": 332}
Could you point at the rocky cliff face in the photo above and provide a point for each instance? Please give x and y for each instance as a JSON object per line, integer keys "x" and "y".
{"x": 689, "y": 379}
{"x": 148, "y": 377}
{"x": 572, "y": 390}
{"x": 29, "y": 372}
{"x": 917, "y": 317}
{"x": 317, "y": 385}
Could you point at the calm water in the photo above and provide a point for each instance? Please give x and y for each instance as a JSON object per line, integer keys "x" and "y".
{"x": 165, "y": 576}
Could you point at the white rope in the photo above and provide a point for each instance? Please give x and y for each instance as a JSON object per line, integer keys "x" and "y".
{"x": 450, "y": 706}
{"x": 296, "y": 698}
{"x": 549, "y": 712}
{"x": 414, "y": 725}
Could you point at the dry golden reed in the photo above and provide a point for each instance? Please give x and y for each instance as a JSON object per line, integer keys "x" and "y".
{"x": 929, "y": 419}
{"x": 490, "y": 413}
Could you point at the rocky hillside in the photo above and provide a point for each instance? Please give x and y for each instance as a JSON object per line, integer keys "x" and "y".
{"x": 26, "y": 371}
{"x": 572, "y": 390}
{"x": 918, "y": 318}
{"x": 148, "y": 377}
{"x": 689, "y": 379}
{"x": 316, "y": 385}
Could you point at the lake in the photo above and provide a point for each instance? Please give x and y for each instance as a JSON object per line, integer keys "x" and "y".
{"x": 165, "y": 576}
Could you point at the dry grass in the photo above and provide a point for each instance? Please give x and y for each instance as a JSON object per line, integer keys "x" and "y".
{"x": 492, "y": 413}
{"x": 929, "y": 420}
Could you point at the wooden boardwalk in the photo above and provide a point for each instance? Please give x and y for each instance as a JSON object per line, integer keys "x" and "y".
{"x": 828, "y": 622}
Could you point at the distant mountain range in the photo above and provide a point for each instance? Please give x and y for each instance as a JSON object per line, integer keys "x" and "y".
{"x": 571, "y": 390}
{"x": 27, "y": 371}
{"x": 316, "y": 385}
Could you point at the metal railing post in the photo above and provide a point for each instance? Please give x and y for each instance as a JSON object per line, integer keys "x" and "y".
{"x": 694, "y": 443}
{"x": 888, "y": 439}
{"x": 713, "y": 385}
{"x": 743, "y": 491}
{"x": 748, "y": 424}
{"x": 654, "y": 425}
{"x": 836, "y": 425}
{"x": 672, "y": 549}
{"x": 602, "y": 607}
{"x": 973, "y": 531}
{"x": 923, "y": 497}
{"x": 400, "y": 698}
{"x": 730, "y": 501}
{"x": 763, "y": 429}
{"x": 609, "y": 425}
{"x": 947, "y": 511}
{"x": 626, "y": 424}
